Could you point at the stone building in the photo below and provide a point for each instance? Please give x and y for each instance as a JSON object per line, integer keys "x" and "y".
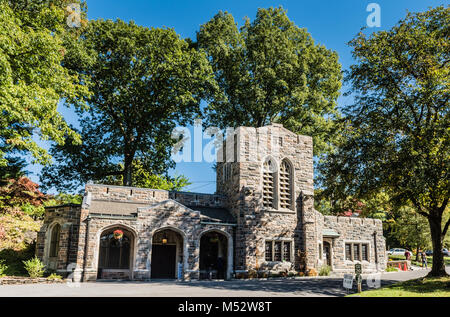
{"x": 261, "y": 218}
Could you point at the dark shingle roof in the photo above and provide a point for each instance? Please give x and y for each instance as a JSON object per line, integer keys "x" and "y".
{"x": 212, "y": 214}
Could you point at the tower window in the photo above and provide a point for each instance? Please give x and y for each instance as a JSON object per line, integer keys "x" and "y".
{"x": 286, "y": 185}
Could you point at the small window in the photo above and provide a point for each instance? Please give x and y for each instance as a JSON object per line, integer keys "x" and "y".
{"x": 348, "y": 252}
{"x": 364, "y": 253}
{"x": 356, "y": 252}
{"x": 54, "y": 240}
{"x": 278, "y": 251}
{"x": 287, "y": 251}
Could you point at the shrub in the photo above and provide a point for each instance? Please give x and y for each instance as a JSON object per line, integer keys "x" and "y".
{"x": 34, "y": 267}
{"x": 252, "y": 274}
{"x": 311, "y": 272}
{"x": 3, "y": 268}
{"x": 391, "y": 269}
{"x": 325, "y": 270}
{"x": 54, "y": 276}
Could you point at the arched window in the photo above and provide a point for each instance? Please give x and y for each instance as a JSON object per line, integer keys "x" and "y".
{"x": 115, "y": 247}
{"x": 269, "y": 184}
{"x": 54, "y": 240}
{"x": 286, "y": 185}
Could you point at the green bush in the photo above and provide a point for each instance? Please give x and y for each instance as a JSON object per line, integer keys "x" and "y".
{"x": 54, "y": 276}
{"x": 325, "y": 270}
{"x": 391, "y": 269}
{"x": 14, "y": 259}
{"x": 3, "y": 268}
{"x": 34, "y": 267}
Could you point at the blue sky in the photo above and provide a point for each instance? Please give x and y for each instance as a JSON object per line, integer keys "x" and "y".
{"x": 331, "y": 23}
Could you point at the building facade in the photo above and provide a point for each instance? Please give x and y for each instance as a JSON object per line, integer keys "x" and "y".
{"x": 260, "y": 219}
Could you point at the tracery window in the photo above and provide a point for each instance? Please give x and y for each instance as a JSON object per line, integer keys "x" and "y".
{"x": 268, "y": 184}
{"x": 285, "y": 180}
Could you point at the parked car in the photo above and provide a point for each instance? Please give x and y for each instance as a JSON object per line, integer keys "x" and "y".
{"x": 445, "y": 252}
{"x": 397, "y": 251}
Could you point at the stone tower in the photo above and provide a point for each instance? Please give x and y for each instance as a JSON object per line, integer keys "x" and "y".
{"x": 267, "y": 175}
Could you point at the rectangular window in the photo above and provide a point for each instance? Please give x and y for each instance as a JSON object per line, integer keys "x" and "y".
{"x": 364, "y": 253}
{"x": 287, "y": 251}
{"x": 356, "y": 252}
{"x": 277, "y": 251}
{"x": 268, "y": 251}
{"x": 348, "y": 252}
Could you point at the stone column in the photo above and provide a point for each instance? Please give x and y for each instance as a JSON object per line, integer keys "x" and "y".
{"x": 309, "y": 229}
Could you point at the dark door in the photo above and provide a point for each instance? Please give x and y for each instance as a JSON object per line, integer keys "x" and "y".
{"x": 163, "y": 261}
{"x": 326, "y": 251}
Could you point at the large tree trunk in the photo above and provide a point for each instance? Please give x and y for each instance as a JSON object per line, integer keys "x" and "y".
{"x": 127, "y": 171}
{"x": 438, "y": 268}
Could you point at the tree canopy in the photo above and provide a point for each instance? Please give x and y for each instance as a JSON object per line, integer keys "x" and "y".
{"x": 32, "y": 77}
{"x": 270, "y": 70}
{"x": 397, "y": 136}
{"x": 143, "y": 82}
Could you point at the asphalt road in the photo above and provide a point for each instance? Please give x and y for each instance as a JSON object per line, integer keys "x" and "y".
{"x": 321, "y": 286}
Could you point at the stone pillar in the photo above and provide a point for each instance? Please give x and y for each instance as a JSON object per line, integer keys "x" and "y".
{"x": 309, "y": 230}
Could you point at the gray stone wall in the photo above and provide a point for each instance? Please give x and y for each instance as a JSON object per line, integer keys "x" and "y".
{"x": 68, "y": 217}
{"x": 357, "y": 230}
{"x": 244, "y": 190}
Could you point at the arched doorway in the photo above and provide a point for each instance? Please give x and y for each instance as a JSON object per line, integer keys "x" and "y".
{"x": 213, "y": 255}
{"x": 115, "y": 259}
{"x": 167, "y": 254}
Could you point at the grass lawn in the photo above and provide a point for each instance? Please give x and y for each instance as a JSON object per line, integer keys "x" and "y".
{"x": 423, "y": 287}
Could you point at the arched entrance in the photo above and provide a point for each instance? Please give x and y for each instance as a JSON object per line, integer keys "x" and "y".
{"x": 167, "y": 254}
{"x": 115, "y": 257}
{"x": 213, "y": 255}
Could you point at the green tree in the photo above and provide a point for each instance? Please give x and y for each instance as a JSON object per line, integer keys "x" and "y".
{"x": 397, "y": 138}
{"x": 144, "y": 82}
{"x": 142, "y": 178}
{"x": 270, "y": 70}
{"x": 32, "y": 77}
{"x": 411, "y": 230}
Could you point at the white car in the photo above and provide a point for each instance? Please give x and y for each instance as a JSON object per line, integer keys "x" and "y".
{"x": 397, "y": 251}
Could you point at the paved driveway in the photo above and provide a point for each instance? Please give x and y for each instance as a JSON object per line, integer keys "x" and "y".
{"x": 323, "y": 286}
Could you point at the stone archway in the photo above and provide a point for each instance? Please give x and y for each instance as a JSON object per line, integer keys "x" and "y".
{"x": 115, "y": 255}
{"x": 215, "y": 250}
{"x": 167, "y": 254}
